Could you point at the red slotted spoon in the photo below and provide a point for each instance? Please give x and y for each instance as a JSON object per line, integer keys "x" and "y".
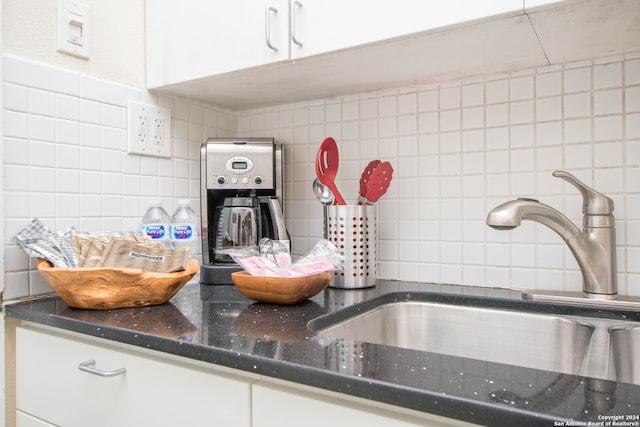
{"x": 327, "y": 162}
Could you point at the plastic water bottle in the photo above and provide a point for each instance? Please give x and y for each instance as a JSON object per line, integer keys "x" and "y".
{"x": 156, "y": 222}
{"x": 185, "y": 230}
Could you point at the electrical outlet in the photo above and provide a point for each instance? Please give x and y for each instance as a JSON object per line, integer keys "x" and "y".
{"x": 148, "y": 130}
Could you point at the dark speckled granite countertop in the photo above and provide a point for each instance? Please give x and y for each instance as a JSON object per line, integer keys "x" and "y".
{"x": 217, "y": 324}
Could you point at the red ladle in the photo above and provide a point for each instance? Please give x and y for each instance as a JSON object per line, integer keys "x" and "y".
{"x": 327, "y": 162}
{"x": 379, "y": 182}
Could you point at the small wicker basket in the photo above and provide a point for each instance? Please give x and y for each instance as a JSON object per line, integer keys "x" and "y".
{"x": 109, "y": 288}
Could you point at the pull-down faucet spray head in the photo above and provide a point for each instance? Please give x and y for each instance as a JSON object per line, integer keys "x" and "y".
{"x": 510, "y": 215}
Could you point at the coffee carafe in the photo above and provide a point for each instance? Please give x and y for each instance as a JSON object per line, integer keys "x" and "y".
{"x": 242, "y": 221}
{"x": 240, "y": 201}
{"x": 238, "y": 226}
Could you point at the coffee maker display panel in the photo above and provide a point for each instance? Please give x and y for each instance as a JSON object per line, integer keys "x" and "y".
{"x": 241, "y": 165}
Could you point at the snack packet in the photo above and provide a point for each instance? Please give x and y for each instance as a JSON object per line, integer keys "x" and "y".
{"x": 274, "y": 260}
{"x": 124, "y": 254}
{"x": 69, "y": 248}
{"x": 90, "y": 247}
{"x": 38, "y": 241}
{"x": 278, "y": 250}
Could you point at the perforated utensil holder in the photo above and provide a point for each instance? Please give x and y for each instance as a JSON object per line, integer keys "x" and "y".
{"x": 353, "y": 230}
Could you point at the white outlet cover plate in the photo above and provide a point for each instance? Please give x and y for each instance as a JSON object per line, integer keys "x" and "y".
{"x": 148, "y": 130}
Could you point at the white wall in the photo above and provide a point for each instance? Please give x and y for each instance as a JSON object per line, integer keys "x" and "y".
{"x": 66, "y": 161}
{"x": 460, "y": 148}
{"x": 117, "y": 48}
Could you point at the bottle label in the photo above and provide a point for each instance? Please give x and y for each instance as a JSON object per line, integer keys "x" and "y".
{"x": 183, "y": 232}
{"x": 155, "y": 231}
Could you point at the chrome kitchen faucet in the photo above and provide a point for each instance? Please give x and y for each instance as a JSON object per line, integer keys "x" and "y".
{"x": 594, "y": 247}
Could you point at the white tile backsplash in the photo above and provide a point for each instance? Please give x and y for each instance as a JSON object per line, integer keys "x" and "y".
{"x": 65, "y": 158}
{"x": 458, "y": 149}
{"x": 472, "y": 145}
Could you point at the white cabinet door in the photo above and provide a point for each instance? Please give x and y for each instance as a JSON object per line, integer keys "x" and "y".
{"x": 281, "y": 406}
{"x": 330, "y": 25}
{"x": 190, "y": 39}
{"x": 152, "y": 392}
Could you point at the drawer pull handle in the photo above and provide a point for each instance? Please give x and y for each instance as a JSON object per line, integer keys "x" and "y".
{"x": 88, "y": 367}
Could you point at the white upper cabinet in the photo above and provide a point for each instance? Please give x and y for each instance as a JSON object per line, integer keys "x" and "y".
{"x": 191, "y": 39}
{"x": 244, "y": 54}
{"x": 321, "y": 26}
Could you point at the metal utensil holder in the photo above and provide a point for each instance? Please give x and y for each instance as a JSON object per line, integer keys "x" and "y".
{"x": 353, "y": 230}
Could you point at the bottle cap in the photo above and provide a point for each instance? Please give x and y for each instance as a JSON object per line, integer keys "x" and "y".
{"x": 156, "y": 203}
{"x": 183, "y": 202}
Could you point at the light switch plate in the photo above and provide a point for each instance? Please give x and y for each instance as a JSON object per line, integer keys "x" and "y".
{"x": 148, "y": 130}
{"x": 73, "y": 28}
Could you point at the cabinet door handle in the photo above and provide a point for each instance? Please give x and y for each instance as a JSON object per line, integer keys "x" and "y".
{"x": 296, "y": 3}
{"x": 267, "y": 26}
{"x": 88, "y": 367}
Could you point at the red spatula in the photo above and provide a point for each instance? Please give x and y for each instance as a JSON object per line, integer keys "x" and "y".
{"x": 364, "y": 179}
{"x": 327, "y": 162}
{"x": 379, "y": 182}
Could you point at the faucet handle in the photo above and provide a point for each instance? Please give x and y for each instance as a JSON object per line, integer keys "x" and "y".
{"x": 593, "y": 203}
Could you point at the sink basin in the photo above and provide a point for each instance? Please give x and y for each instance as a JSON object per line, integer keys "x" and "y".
{"x": 529, "y": 339}
{"x": 625, "y": 353}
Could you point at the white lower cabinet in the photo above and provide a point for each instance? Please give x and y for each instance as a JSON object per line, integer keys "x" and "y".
{"x": 281, "y": 405}
{"x": 51, "y": 388}
{"x": 157, "y": 389}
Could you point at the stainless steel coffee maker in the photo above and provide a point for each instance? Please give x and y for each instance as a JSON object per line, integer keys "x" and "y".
{"x": 241, "y": 200}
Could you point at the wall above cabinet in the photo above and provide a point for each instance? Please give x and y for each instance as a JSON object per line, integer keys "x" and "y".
{"x": 254, "y": 75}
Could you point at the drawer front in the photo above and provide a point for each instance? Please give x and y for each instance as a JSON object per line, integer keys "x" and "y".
{"x": 152, "y": 391}
{"x": 280, "y": 406}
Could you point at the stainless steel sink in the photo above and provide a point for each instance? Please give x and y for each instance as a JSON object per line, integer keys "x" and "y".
{"x": 501, "y": 335}
{"x": 625, "y": 353}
